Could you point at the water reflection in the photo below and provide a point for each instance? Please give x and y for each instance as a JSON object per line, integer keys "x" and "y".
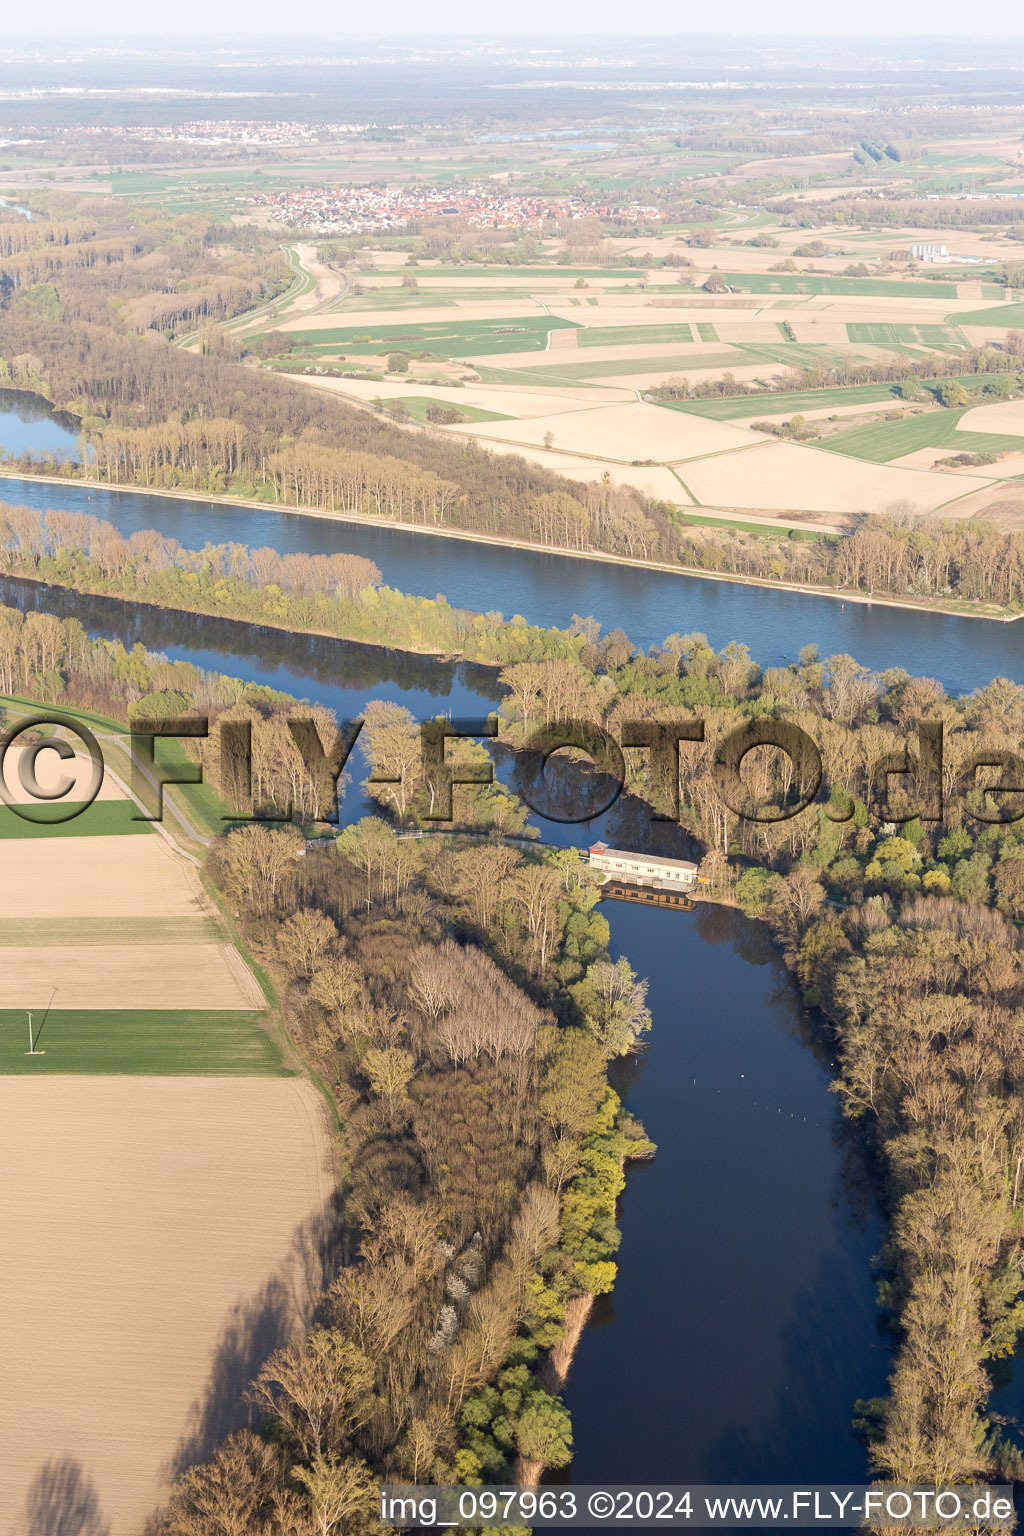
{"x": 743, "y": 1325}
{"x": 549, "y": 588}
{"x": 27, "y": 425}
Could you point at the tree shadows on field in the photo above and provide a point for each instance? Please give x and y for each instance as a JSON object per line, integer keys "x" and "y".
{"x": 254, "y": 1329}
{"x": 62, "y": 1501}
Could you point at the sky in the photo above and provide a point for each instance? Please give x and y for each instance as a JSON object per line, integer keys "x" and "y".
{"x": 342, "y": 20}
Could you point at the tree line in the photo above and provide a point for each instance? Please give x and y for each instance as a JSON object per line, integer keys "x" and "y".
{"x": 1002, "y": 362}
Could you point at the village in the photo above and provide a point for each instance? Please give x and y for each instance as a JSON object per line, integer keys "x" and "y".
{"x": 342, "y": 209}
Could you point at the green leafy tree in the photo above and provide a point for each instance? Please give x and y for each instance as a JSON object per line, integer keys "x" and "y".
{"x": 953, "y": 395}
{"x": 544, "y": 1430}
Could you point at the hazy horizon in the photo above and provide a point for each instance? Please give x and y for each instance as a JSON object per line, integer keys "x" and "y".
{"x": 111, "y": 21}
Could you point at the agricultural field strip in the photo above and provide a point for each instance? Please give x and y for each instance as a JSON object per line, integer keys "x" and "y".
{"x": 575, "y": 452}
{"x": 140, "y": 1042}
{"x": 121, "y": 1323}
{"x": 41, "y": 932}
{"x": 104, "y": 877}
{"x": 498, "y": 335}
{"x": 736, "y": 406}
{"x": 879, "y": 442}
{"x": 1007, "y": 315}
{"x": 583, "y": 370}
{"x": 104, "y": 818}
{"x": 140, "y": 975}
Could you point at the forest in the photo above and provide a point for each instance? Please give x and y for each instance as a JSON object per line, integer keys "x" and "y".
{"x": 902, "y": 930}
{"x": 459, "y": 1007}
{"x": 124, "y": 286}
{"x": 155, "y": 416}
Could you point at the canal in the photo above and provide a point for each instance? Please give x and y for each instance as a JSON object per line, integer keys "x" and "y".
{"x": 549, "y": 588}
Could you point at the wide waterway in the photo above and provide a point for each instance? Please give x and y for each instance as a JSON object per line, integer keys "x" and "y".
{"x": 742, "y": 1328}
{"x": 549, "y": 588}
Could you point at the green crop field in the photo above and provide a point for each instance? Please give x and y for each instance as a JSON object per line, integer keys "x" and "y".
{"x": 766, "y": 403}
{"x": 455, "y": 339}
{"x": 706, "y": 330}
{"x": 1011, "y": 315}
{"x": 139, "y": 1042}
{"x": 794, "y": 282}
{"x": 880, "y": 334}
{"x": 103, "y": 818}
{"x": 418, "y": 405}
{"x": 788, "y": 354}
{"x": 735, "y": 407}
{"x": 882, "y": 441}
{"x": 629, "y": 335}
{"x": 582, "y": 371}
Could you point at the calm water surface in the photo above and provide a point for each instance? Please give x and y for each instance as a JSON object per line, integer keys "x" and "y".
{"x": 742, "y": 1327}
{"x": 29, "y": 426}
{"x": 550, "y": 588}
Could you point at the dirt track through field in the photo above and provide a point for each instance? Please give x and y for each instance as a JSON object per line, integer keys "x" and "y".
{"x": 161, "y": 1236}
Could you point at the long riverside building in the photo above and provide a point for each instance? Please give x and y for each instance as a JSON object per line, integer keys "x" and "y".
{"x": 643, "y": 868}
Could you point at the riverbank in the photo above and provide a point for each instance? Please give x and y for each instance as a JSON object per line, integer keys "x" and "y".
{"x": 965, "y": 610}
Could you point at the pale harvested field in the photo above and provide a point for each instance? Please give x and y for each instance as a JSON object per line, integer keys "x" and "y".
{"x": 99, "y": 877}
{"x": 621, "y": 432}
{"x": 752, "y": 331}
{"x": 788, "y": 477}
{"x": 366, "y": 319}
{"x": 895, "y": 308}
{"x": 51, "y": 770}
{"x": 585, "y": 355}
{"x": 1007, "y": 416}
{"x": 809, "y": 330}
{"x": 198, "y": 976}
{"x": 508, "y": 400}
{"x": 924, "y": 458}
{"x": 653, "y": 480}
{"x": 147, "y": 1222}
{"x": 503, "y": 281}
{"x": 648, "y": 309}
{"x": 1005, "y": 502}
{"x": 985, "y": 335}
{"x": 649, "y": 380}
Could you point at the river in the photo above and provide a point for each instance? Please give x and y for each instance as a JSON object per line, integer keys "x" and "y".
{"x": 549, "y": 588}
{"x": 743, "y": 1327}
